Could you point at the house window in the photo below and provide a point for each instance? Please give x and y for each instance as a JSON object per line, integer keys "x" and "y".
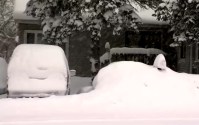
{"x": 33, "y": 36}
{"x": 144, "y": 39}
{"x": 182, "y": 51}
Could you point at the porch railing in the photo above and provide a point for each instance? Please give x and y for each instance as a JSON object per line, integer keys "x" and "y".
{"x": 146, "y": 56}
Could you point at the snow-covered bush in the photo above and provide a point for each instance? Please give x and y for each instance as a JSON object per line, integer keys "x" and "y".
{"x": 3, "y": 75}
{"x": 38, "y": 70}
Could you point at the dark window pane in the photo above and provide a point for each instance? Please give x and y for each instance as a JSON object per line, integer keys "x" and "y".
{"x": 30, "y": 37}
{"x": 182, "y": 50}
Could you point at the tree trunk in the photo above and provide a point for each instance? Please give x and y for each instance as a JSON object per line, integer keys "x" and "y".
{"x": 95, "y": 57}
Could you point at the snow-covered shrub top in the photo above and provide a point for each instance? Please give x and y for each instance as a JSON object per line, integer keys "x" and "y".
{"x": 125, "y": 50}
{"x": 38, "y": 68}
{"x": 3, "y": 73}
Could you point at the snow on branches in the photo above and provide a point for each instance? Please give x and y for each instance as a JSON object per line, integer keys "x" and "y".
{"x": 60, "y": 18}
{"x": 183, "y": 17}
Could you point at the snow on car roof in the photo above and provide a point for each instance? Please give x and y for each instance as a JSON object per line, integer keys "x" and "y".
{"x": 123, "y": 91}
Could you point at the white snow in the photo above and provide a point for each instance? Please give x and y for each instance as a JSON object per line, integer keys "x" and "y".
{"x": 85, "y": 89}
{"x": 174, "y": 44}
{"x": 126, "y": 50}
{"x": 37, "y": 69}
{"x": 160, "y": 62}
{"x": 108, "y": 14}
{"x": 56, "y": 22}
{"x": 88, "y": 1}
{"x": 93, "y": 62}
{"x": 124, "y": 91}
{"x": 3, "y": 75}
{"x": 107, "y": 45}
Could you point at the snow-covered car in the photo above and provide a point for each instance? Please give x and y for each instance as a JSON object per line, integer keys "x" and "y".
{"x": 125, "y": 93}
{"x": 38, "y": 70}
{"x": 3, "y": 76}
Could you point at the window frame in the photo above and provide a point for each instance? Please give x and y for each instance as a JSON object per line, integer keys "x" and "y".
{"x": 32, "y": 31}
{"x": 183, "y": 48}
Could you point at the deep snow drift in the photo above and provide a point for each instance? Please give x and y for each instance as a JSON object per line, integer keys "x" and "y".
{"x": 37, "y": 70}
{"x": 123, "y": 90}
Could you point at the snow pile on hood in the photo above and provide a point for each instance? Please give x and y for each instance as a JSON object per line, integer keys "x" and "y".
{"x": 3, "y": 75}
{"x": 123, "y": 90}
{"x": 160, "y": 62}
{"x": 37, "y": 69}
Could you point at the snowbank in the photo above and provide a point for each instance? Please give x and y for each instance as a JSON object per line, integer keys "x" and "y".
{"x": 124, "y": 91}
{"x": 3, "y": 75}
{"x": 37, "y": 70}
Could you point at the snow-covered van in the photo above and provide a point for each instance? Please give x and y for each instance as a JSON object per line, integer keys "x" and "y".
{"x": 37, "y": 70}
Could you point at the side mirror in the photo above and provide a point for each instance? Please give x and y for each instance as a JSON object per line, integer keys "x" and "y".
{"x": 72, "y": 73}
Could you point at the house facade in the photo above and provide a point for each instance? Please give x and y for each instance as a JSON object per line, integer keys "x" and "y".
{"x": 152, "y": 34}
{"x": 188, "y": 57}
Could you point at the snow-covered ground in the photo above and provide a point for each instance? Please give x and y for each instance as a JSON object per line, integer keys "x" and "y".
{"x": 125, "y": 93}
